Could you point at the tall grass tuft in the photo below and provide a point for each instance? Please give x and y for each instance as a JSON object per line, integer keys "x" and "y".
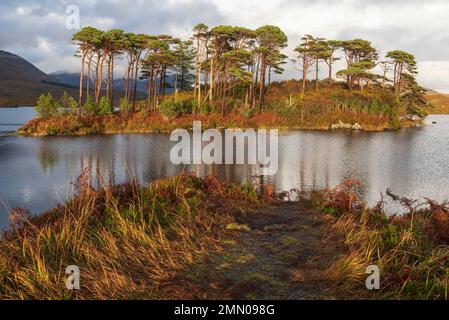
{"x": 412, "y": 249}
{"x": 125, "y": 239}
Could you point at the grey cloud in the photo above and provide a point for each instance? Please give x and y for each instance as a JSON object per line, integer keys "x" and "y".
{"x": 421, "y": 32}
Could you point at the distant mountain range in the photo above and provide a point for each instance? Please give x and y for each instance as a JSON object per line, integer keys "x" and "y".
{"x": 21, "y": 82}
{"x": 73, "y": 79}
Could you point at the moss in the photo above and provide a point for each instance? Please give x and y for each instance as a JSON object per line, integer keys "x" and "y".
{"x": 238, "y": 227}
{"x": 289, "y": 241}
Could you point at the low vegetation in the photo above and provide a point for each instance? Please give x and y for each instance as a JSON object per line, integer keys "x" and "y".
{"x": 134, "y": 242}
{"x": 125, "y": 238}
{"x": 411, "y": 250}
{"x": 438, "y": 103}
{"x": 373, "y": 110}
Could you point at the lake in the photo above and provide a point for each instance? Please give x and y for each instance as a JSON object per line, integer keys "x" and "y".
{"x": 37, "y": 173}
{"x": 12, "y": 119}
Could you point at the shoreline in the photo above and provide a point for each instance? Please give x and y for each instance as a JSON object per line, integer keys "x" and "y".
{"x": 137, "y": 123}
{"x": 174, "y": 237}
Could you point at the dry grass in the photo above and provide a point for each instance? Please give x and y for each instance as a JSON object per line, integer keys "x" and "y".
{"x": 125, "y": 239}
{"x": 374, "y": 110}
{"x": 412, "y": 250}
{"x": 439, "y": 103}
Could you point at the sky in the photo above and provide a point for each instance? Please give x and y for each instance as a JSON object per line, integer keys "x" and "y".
{"x": 37, "y": 30}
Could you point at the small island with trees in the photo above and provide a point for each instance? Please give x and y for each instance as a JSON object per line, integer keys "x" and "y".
{"x": 223, "y": 76}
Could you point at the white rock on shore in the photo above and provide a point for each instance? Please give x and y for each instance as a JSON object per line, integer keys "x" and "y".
{"x": 345, "y": 126}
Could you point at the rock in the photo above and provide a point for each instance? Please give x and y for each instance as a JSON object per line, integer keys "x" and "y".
{"x": 346, "y": 126}
{"x": 411, "y": 117}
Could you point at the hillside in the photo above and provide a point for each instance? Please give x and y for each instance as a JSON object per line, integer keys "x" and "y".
{"x": 440, "y": 102}
{"x": 21, "y": 82}
{"x": 13, "y": 67}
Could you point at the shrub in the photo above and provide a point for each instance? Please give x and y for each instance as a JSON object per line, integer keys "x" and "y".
{"x": 175, "y": 108}
{"x": 46, "y": 106}
{"x": 67, "y": 103}
{"x": 89, "y": 106}
{"x": 248, "y": 112}
{"x": 125, "y": 106}
{"x": 207, "y": 108}
{"x": 290, "y": 107}
{"x": 104, "y": 106}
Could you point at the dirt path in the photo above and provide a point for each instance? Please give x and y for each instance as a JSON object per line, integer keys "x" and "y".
{"x": 276, "y": 252}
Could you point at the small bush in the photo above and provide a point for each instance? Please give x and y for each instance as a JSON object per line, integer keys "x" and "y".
{"x": 104, "y": 106}
{"x": 248, "y": 112}
{"x": 67, "y": 103}
{"x": 173, "y": 109}
{"x": 125, "y": 106}
{"x": 207, "y": 108}
{"x": 46, "y": 106}
{"x": 89, "y": 106}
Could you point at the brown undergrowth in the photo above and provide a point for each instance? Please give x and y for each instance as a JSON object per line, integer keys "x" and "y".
{"x": 410, "y": 249}
{"x": 125, "y": 238}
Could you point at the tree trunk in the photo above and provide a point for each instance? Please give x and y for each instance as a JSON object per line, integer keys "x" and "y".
{"x": 224, "y": 94}
{"x": 135, "y": 85}
{"x": 256, "y": 79}
{"x": 150, "y": 83}
{"x": 108, "y": 87}
{"x": 197, "y": 59}
{"x": 211, "y": 86}
{"x": 156, "y": 74}
{"x": 112, "y": 84}
{"x": 164, "y": 82}
{"x": 199, "y": 88}
{"x": 262, "y": 84}
{"x": 99, "y": 80}
{"x": 304, "y": 77}
{"x": 88, "y": 79}
{"x": 96, "y": 79}
{"x": 80, "y": 100}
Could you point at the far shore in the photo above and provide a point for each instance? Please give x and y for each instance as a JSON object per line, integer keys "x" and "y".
{"x": 132, "y": 123}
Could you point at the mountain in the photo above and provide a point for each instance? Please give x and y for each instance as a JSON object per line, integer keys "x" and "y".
{"x": 21, "y": 83}
{"x": 13, "y": 67}
{"x": 439, "y": 101}
{"x": 73, "y": 79}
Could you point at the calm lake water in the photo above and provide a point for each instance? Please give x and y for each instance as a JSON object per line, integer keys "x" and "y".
{"x": 12, "y": 119}
{"x": 36, "y": 173}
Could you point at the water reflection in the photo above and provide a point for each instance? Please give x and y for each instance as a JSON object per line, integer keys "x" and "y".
{"x": 36, "y": 173}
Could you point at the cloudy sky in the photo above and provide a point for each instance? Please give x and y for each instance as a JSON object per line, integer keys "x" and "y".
{"x": 36, "y": 30}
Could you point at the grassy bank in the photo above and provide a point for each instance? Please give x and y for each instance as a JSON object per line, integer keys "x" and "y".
{"x": 373, "y": 110}
{"x": 69, "y": 125}
{"x": 411, "y": 250}
{"x": 166, "y": 239}
{"x": 125, "y": 239}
